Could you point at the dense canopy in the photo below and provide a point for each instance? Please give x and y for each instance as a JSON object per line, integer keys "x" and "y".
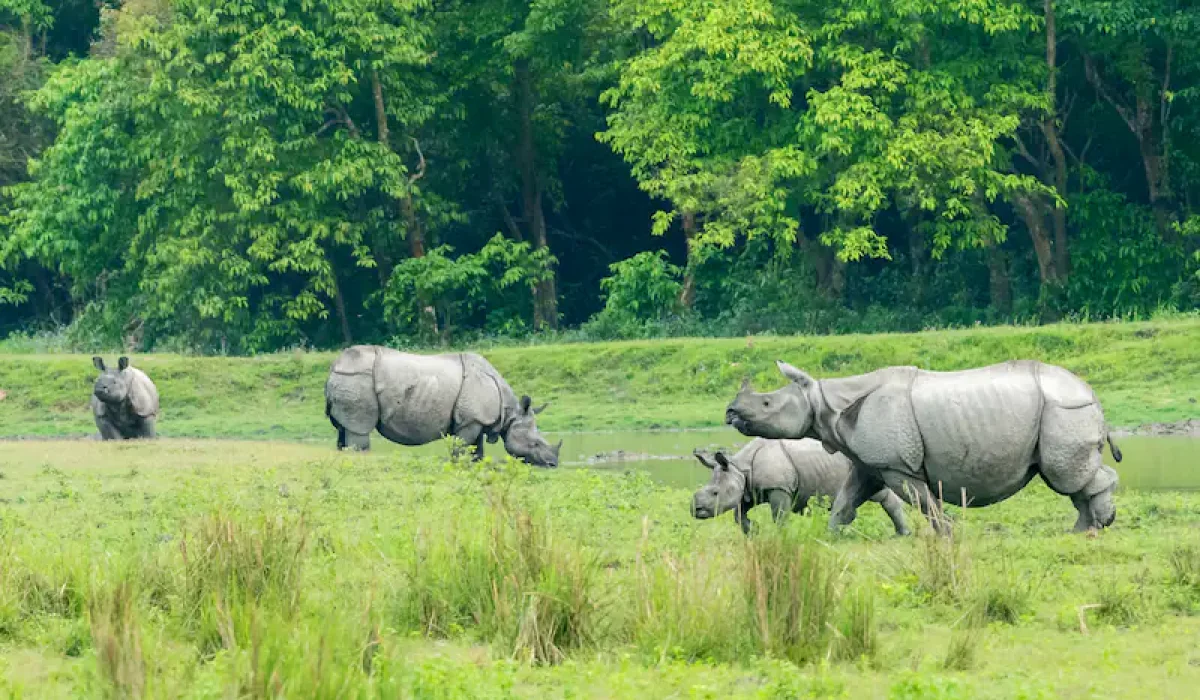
{"x": 249, "y": 175}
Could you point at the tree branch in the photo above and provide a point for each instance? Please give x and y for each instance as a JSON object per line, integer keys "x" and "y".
{"x": 1093, "y": 77}
{"x": 509, "y": 221}
{"x": 420, "y": 166}
{"x": 1164, "y": 103}
{"x": 1023, "y": 150}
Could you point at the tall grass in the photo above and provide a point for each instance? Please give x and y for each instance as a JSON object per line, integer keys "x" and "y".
{"x": 117, "y": 639}
{"x": 229, "y": 566}
{"x": 791, "y": 584}
{"x": 513, "y": 581}
{"x": 783, "y": 593}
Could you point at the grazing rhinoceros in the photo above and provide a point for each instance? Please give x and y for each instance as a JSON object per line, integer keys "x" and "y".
{"x": 416, "y": 399}
{"x": 124, "y": 402}
{"x": 783, "y": 473}
{"x": 973, "y": 437}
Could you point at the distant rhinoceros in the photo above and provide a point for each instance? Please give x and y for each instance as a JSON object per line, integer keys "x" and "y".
{"x": 124, "y": 402}
{"x": 974, "y": 437}
{"x": 416, "y": 399}
{"x": 782, "y": 473}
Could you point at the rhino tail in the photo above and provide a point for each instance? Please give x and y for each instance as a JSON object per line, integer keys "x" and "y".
{"x": 1112, "y": 445}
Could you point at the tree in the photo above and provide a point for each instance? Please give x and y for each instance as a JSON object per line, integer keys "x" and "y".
{"x": 226, "y": 173}
{"x": 751, "y": 114}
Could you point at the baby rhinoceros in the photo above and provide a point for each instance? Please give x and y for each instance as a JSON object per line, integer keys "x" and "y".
{"x": 124, "y": 402}
{"x": 782, "y": 473}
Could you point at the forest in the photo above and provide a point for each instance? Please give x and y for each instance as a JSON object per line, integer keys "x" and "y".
{"x": 242, "y": 176}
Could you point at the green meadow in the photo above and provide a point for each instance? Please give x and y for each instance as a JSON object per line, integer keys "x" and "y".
{"x": 202, "y": 569}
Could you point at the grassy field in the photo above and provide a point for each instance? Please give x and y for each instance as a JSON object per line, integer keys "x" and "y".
{"x": 1143, "y": 372}
{"x": 255, "y": 569}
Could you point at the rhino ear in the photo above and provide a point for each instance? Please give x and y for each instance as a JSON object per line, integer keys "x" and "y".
{"x": 541, "y": 408}
{"x": 98, "y": 362}
{"x": 794, "y": 374}
{"x": 704, "y": 459}
{"x": 525, "y": 401}
{"x": 722, "y": 460}
{"x": 122, "y": 363}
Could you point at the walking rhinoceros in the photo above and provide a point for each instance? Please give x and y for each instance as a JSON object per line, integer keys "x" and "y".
{"x": 782, "y": 473}
{"x": 973, "y": 437}
{"x": 124, "y": 402}
{"x": 416, "y": 399}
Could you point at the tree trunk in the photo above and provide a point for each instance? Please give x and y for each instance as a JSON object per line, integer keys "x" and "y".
{"x": 1062, "y": 257}
{"x": 999, "y": 284}
{"x": 545, "y": 307}
{"x": 339, "y": 303}
{"x": 916, "y": 258}
{"x": 26, "y": 43}
{"x": 687, "y": 295}
{"x": 1031, "y": 213}
{"x": 413, "y": 230}
{"x": 1157, "y": 187}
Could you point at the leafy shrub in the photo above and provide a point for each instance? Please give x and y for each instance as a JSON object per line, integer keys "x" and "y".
{"x": 641, "y": 289}
{"x": 437, "y": 293}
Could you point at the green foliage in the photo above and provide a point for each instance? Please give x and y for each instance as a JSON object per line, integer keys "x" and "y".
{"x": 644, "y": 288}
{"x": 499, "y": 279}
{"x": 250, "y": 175}
{"x": 1118, "y": 275}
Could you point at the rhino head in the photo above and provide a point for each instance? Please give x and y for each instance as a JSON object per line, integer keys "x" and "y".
{"x": 783, "y": 414}
{"x": 522, "y": 439}
{"x": 112, "y": 386}
{"x": 723, "y": 492}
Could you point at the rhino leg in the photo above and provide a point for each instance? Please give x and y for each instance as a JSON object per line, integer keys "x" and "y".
{"x": 856, "y": 489}
{"x": 147, "y": 429}
{"x": 354, "y": 441}
{"x": 472, "y": 434}
{"x": 108, "y": 431}
{"x": 894, "y": 507}
{"x": 781, "y": 504}
{"x": 741, "y": 515}
{"x": 1095, "y": 501}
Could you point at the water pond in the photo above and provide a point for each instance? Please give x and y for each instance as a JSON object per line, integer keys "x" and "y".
{"x": 1150, "y": 463}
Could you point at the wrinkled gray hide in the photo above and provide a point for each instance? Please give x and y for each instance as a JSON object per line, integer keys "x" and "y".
{"x": 975, "y": 437}
{"x": 783, "y": 473}
{"x": 124, "y": 402}
{"x": 416, "y": 399}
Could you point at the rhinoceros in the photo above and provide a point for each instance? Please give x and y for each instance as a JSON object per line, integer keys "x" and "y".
{"x": 124, "y": 402}
{"x": 416, "y": 399}
{"x": 782, "y": 473}
{"x": 973, "y": 437}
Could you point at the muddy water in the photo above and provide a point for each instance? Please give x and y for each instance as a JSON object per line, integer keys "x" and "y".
{"x": 1150, "y": 463}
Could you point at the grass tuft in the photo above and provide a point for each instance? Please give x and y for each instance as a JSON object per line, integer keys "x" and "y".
{"x": 965, "y": 638}
{"x": 791, "y": 583}
{"x": 117, "y": 639}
